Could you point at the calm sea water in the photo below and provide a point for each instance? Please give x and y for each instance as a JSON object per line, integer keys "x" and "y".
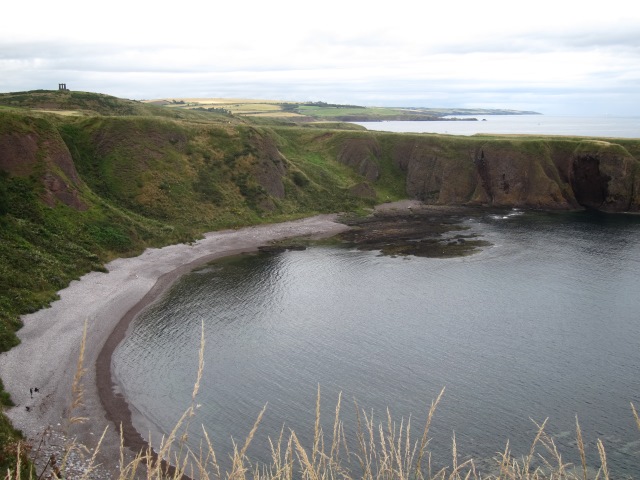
{"x": 606, "y": 126}
{"x": 543, "y": 324}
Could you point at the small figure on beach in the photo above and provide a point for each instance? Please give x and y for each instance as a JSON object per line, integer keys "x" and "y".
{"x": 31, "y": 392}
{"x": 36, "y": 389}
{"x": 28, "y": 408}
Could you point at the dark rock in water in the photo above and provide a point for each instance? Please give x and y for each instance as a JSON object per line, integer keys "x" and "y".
{"x": 272, "y": 249}
{"x": 281, "y": 248}
{"x": 420, "y": 231}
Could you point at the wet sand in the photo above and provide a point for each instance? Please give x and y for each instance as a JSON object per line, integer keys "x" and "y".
{"x": 47, "y": 357}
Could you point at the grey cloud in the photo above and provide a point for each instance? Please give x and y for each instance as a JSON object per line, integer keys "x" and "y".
{"x": 159, "y": 59}
{"x": 58, "y": 49}
{"x": 627, "y": 39}
{"x": 624, "y": 39}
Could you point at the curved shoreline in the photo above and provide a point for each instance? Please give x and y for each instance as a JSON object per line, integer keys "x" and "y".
{"x": 116, "y": 407}
{"x": 48, "y": 355}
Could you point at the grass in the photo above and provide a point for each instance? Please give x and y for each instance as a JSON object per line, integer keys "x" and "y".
{"x": 386, "y": 449}
{"x": 317, "y": 110}
{"x": 323, "y": 112}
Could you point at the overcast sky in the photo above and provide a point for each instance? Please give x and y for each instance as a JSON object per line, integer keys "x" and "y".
{"x": 556, "y": 57}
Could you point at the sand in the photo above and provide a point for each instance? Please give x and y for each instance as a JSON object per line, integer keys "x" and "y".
{"x": 47, "y": 357}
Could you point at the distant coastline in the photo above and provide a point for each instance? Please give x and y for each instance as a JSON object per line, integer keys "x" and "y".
{"x": 541, "y": 125}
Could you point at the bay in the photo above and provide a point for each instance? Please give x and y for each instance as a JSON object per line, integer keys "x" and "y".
{"x": 603, "y": 126}
{"x": 545, "y": 323}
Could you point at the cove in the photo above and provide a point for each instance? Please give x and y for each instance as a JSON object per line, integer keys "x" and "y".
{"x": 542, "y": 324}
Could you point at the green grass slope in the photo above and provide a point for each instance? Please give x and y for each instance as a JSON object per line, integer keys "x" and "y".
{"x": 89, "y": 104}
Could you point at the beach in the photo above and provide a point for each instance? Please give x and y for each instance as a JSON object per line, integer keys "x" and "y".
{"x": 47, "y": 357}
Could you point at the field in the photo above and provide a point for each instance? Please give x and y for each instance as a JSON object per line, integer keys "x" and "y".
{"x": 316, "y": 111}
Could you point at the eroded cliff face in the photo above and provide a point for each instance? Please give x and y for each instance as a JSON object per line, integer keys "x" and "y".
{"x": 605, "y": 176}
{"x": 164, "y": 169}
{"x": 363, "y": 155}
{"x": 269, "y": 168}
{"x": 516, "y": 177}
{"x": 42, "y": 154}
{"x": 548, "y": 174}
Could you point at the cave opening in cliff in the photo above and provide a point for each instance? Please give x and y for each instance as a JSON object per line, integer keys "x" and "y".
{"x": 589, "y": 185}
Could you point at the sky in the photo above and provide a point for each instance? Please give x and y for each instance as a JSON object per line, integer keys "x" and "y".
{"x": 560, "y": 57}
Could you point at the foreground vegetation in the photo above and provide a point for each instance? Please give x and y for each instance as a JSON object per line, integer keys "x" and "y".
{"x": 385, "y": 449}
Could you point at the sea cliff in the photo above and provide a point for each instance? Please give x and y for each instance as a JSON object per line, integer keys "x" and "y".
{"x": 542, "y": 173}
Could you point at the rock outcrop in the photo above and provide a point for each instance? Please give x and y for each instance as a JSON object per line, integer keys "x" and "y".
{"x": 41, "y": 154}
{"x": 269, "y": 167}
{"x": 363, "y": 155}
{"x": 561, "y": 174}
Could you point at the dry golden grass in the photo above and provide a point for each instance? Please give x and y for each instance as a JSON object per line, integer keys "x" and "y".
{"x": 218, "y": 101}
{"x": 64, "y": 113}
{"x": 253, "y": 107}
{"x": 380, "y": 451}
{"x": 237, "y": 106}
{"x": 274, "y": 114}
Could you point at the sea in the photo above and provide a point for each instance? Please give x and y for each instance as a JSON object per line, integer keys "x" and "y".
{"x": 542, "y": 325}
{"x": 591, "y": 126}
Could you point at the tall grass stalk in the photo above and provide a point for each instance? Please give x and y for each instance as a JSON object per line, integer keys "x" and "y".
{"x": 635, "y": 415}
{"x": 583, "y": 458}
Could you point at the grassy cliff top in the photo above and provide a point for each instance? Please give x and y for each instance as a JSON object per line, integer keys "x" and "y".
{"x": 75, "y": 103}
{"x": 89, "y": 104}
{"x": 231, "y": 111}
